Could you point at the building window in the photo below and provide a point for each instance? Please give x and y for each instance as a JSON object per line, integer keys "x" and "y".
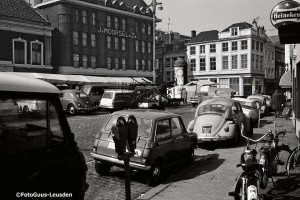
{"x": 116, "y": 23}
{"x": 234, "y": 46}
{"x": 244, "y": 44}
{"x": 93, "y": 62}
{"x": 149, "y": 47}
{"x": 193, "y": 65}
{"x": 143, "y": 65}
{"x": 84, "y": 39}
{"x": 257, "y": 61}
{"x": 84, "y": 61}
{"x": 234, "y": 31}
{"x": 93, "y": 40}
{"x": 137, "y": 46}
{"x": 225, "y": 46}
{"x": 137, "y": 27}
{"x": 253, "y": 45}
{"x": 168, "y": 62}
{"x": 84, "y": 17}
{"x": 137, "y": 65}
{"x": 123, "y": 44}
{"x": 224, "y": 82}
{"x": 234, "y": 84}
{"x": 202, "y": 49}
{"x": 234, "y": 62}
{"x": 93, "y": 18}
{"x": 75, "y": 15}
{"x": 36, "y": 53}
{"x": 108, "y": 42}
{"x": 76, "y": 60}
{"x": 261, "y": 62}
{"x": 193, "y": 50}
{"x": 123, "y": 24}
{"x": 225, "y": 62}
{"x": 244, "y": 61}
{"x": 19, "y": 52}
{"x": 212, "y": 48}
{"x": 143, "y": 28}
{"x": 108, "y": 21}
{"x": 212, "y": 63}
{"x": 109, "y": 65}
{"x": 117, "y": 43}
{"x": 143, "y": 47}
{"x": 257, "y": 45}
{"x": 149, "y": 65}
{"x": 149, "y": 29}
{"x": 75, "y": 38}
{"x": 202, "y": 64}
{"x": 117, "y": 63}
{"x": 124, "y": 63}
{"x": 262, "y": 47}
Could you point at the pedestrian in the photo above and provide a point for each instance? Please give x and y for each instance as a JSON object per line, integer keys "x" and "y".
{"x": 184, "y": 95}
{"x": 276, "y": 102}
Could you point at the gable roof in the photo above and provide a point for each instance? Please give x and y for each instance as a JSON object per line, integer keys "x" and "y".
{"x": 20, "y": 9}
{"x": 205, "y": 36}
{"x": 241, "y": 25}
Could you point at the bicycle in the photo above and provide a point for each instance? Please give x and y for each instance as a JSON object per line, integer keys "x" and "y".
{"x": 273, "y": 157}
{"x": 293, "y": 163}
{"x": 249, "y": 183}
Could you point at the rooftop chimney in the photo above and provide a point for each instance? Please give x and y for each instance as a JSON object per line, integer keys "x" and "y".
{"x": 193, "y": 33}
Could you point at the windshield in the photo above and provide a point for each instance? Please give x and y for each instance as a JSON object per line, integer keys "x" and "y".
{"x": 144, "y": 125}
{"x": 212, "y": 108}
{"x": 28, "y": 124}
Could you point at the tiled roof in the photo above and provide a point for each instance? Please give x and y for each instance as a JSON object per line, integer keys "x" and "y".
{"x": 19, "y": 9}
{"x": 132, "y": 3}
{"x": 241, "y": 25}
{"x": 205, "y": 36}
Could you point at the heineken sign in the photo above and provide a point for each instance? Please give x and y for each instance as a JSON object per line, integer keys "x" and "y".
{"x": 116, "y": 32}
{"x": 285, "y": 12}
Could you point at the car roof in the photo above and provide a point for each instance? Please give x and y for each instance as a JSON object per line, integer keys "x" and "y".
{"x": 16, "y": 83}
{"x": 222, "y": 101}
{"x": 256, "y": 96}
{"x": 119, "y": 91}
{"x": 71, "y": 91}
{"x": 243, "y": 99}
{"x": 150, "y": 114}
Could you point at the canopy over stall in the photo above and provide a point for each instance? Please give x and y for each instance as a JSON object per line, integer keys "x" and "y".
{"x": 286, "y": 80}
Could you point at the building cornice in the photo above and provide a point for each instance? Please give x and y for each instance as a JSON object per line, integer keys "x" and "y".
{"x": 220, "y": 40}
{"x": 13, "y": 26}
{"x": 96, "y": 6}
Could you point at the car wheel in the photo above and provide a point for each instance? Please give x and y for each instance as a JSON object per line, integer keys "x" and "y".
{"x": 190, "y": 156}
{"x": 72, "y": 110}
{"x": 155, "y": 174}
{"x": 101, "y": 168}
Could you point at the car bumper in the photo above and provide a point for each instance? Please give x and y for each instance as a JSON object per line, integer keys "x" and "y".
{"x": 85, "y": 109}
{"x": 117, "y": 162}
{"x": 213, "y": 139}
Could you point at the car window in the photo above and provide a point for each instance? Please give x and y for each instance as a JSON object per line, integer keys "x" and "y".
{"x": 24, "y": 125}
{"x": 176, "y": 126}
{"x": 107, "y": 95}
{"x": 212, "y": 108}
{"x": 144, "y": 125}
{"x": 123, "y": 96}
{"x": 163, "y": 129}
{"x": 80, "y": 94}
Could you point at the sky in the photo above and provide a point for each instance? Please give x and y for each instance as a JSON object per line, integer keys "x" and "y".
{"x": 183, "y": 16}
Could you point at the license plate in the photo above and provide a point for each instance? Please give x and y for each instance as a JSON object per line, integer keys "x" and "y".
{"x": 206, "y": 129}
{"x": 111, "y": 145}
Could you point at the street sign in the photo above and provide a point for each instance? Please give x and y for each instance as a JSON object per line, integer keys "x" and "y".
{"x": 285, "y": 12}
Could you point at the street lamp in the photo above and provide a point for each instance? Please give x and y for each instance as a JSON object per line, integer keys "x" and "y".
{"x": 153, "y": 5}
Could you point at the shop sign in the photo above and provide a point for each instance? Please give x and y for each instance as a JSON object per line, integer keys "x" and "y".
{"x": 285, "y": 12}
{"x": 116, "y": 32}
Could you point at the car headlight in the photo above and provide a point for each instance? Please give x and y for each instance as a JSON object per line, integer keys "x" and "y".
{"x": 79, "y": 104}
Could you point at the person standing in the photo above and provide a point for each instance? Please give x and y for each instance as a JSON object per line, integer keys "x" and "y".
{"x": 184, "y": 95}
{"x": 276, "y": 101}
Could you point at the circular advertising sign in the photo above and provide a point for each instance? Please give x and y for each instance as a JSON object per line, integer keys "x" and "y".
{"x": 285, "y": 12}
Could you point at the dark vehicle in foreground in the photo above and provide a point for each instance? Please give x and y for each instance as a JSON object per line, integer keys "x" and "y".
{"x": 74, "y": 101}
{"x": 37, "y": 149}
{"x": 162, "y": 141}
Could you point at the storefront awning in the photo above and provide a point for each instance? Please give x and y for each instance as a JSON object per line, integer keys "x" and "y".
{"x": 286, "y": 80}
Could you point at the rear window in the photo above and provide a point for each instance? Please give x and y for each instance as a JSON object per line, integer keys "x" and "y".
{"x": 81, "y": 94}
{"x": 144, "y": 125}
{"x": 212, "y": 108}
{"x": 107, "y": 95}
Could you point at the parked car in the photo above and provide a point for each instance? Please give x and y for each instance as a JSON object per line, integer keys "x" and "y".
{"x": 265, "y": 109}
{"x": 95, "y": 92}
{"x": 219, "y": 119}
{"x": 30, "y": 105}
{"x": 74, "y": 101}
{"x": 113, "y": 100}
{"x": 250, "y": 108}
{"x": 162, "y": 141}
{"x": 37, "y": 149}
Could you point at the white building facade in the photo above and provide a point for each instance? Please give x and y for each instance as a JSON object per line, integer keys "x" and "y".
{"x": 234, "y": 58}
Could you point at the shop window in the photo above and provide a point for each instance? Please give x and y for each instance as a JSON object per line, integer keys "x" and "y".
{"x": 19, "y": 51}
{"x": 234, "y": 84}
{"x": 36, "y": 53}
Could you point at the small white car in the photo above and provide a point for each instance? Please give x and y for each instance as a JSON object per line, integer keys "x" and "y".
{"x": 250, "y": 108}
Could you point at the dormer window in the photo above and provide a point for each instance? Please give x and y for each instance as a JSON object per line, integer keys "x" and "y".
{"x": 234, "y": 31}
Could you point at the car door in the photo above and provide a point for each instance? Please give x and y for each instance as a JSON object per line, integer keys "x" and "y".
{"x": 182, "y": 142}
{"x": 164, "y": 141}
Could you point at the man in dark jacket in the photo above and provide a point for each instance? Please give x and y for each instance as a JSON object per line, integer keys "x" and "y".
{"x": 276, "y": 102}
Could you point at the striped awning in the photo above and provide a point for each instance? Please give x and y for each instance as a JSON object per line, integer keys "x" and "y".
{"x": 286, "y": 80}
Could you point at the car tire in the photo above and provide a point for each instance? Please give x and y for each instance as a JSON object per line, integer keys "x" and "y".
{"x": 190, "y": 156}
{"x": 155, "y": 174}
{"x": 101, "y": 168}
{"x": 72, "y": 110}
